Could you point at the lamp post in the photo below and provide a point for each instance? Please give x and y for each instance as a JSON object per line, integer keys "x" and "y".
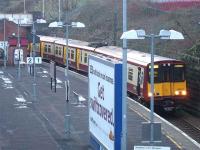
{"x": 33, "y": 51}
{"x": 115, "y": 22}
{"x": 59, "y": 11}
{"x": 43, "y": 8}
{"x": 164, "y": 34}
{"x": 124, "y": 81}
{"x": 67, "y": 88}
{"x": 4, "y": 38}
{"x": 18, "y": 46}
{"x": 24, "y": 6}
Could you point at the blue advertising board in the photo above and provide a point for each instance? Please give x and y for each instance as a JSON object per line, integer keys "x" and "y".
{"x": 105, "y": 103}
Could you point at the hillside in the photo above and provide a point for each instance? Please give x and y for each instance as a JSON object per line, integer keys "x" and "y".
{"x": 98, "y": 16}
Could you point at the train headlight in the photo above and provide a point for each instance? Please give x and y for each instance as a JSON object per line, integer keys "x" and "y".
{"x": 184, "y": 93}
{"x": 149, "y": 94}
{"x": 176, "y": 92}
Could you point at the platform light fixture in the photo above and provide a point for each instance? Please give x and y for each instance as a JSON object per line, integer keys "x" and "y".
{"x": 60, "y": 24}
{"x": 163, "y": 34}
{"x": 38, "y": 21}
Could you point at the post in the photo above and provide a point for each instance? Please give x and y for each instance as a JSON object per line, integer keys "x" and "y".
{"x": 18, "y": 45}
{"x": 124, "y": 80}
{"x": 43, "y": 9}
{"x": 4, "y": 38}
{"x": 33, "y": 51}
{"x": 115, "y": 22}
{"x": 152, "y": 37}
{"x": 67, "y": 63}
{"x": 55, "y": 81}
{"x": 51, "y": 83}
{"x": 67, "y": 115}
{"x": 24, "y": 6}
{"x": 59, "y": 11}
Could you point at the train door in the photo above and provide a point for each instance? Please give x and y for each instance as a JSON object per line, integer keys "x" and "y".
{"x": 167, "y": 86}
{"x": 171, "y": 80}
{"x": 41, "y": 45}
{"x": 138, "y": 81}
{"x": 77, "y": 58}
{"x": 64, "y": 54}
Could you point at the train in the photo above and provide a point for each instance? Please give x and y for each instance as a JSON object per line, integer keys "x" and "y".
{"x": 170, "y": 85}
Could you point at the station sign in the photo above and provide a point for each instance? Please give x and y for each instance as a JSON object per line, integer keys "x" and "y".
{"x": 18, "y": 54}
{"x": 151, "y": 148}
{"x": 3, "y": 44}
{"x": 38, "y": 60}
{"x": 105, "y": 103}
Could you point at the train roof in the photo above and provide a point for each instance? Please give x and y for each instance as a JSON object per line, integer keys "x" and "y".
{"x": 133, "y": 56}
{"x": 62, "y": 41}
{"x": 112, "y": 51}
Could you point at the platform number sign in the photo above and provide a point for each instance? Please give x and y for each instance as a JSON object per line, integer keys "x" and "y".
{"x": 38, "y": 60}
{"x": 29, "y": 60}
{"x": 18, "y": 54}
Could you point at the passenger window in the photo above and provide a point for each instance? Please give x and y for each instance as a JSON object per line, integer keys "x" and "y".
{"x": 81, "y": 56}
{"x": 130, "y": 74}
{"x": 45, "y": 48}
{"x": 72, "y": 54}
{"x": 85, "y": 58}
{"x": 59, "y": 52}
{"x": 56, "y": 50}
{"x": 49, "y": 48}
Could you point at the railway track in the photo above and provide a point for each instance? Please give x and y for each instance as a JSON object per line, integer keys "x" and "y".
{"x": 188, "y": 123}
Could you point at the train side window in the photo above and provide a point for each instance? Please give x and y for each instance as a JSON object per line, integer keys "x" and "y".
{"x": 81, "y": 56}
{"x": 130, "y": 74}
{"x": 72, "y": 54}
{"x": 68, "y": 50}
{"x": 37, "y": 47}
{"x": 59, "y": 51}
{"x": 85, "y": 58}
{"x": 56, "y": 50}
{"x": 49, "y": 48}
{"x": 45, "y": 48}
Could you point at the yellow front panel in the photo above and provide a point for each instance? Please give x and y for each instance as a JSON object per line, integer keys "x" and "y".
{"x": 161, "y": 89}
{"x": 180, "y": 86}
{"x": 168, "y": 88}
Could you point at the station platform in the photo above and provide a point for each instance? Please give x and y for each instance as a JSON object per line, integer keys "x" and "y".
{"x": 31, "y": 121}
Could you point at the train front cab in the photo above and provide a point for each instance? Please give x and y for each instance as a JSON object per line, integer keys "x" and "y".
{"x": 169, "y": 85}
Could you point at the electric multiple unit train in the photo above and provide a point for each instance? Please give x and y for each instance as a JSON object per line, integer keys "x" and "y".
{"x": 169, "y": 74}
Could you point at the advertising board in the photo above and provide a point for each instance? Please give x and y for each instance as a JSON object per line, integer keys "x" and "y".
{"x": 105, "y": 98}
{"x": 18, "y": 54}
